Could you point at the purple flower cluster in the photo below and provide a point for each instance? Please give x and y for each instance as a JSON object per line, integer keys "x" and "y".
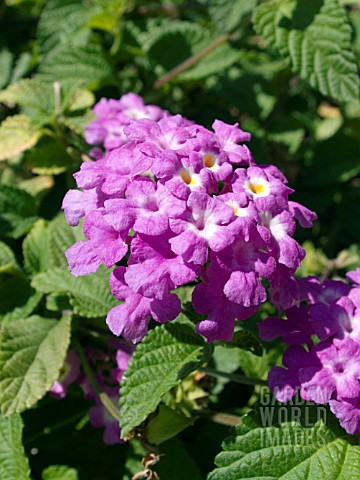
{"x": 113, "y": 116}
{"x": 69, "y": 373}
{"x": 182, "y": 203}
{"x": 323, "y": 359}
{"x": 108, "y": 367}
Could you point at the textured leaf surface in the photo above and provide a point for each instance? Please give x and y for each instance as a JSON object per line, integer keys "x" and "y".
{"x": 272, "y": 444}
{"x": 22, "y": 66}
{"x": 32, "y": 351}
{"x": 57, "y": 302}
{"x": 13, "y": 462}
{"x": 79, "y": 100}
{"x": 228, "y": 15}
{"x": 62, "y": 236}
{"x": 36, "y": 248}
{"x": 59, "y": 472}
{"x": 49, "y": 158}
{"x": 78, "y": 123}
{"x": 16, "y": 226}
{"x": 17, "y": 211}
{"x": 315, "y": 37}
{"x": 82, "y": 66}
{"x": 16, "y": 136}
{"x": 63, "y": 21}
{"x": 37, "y": 98}
{"x": 165, "y": 356}
{"x": 16, "y": 200}
{"x": 224, "y": 56}
{"x": 186, "y": 39}
{"x": 90, "y": 296}
{"x": 45, "y": 245}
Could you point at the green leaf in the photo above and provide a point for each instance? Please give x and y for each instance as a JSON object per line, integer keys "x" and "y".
{"x": 62, "y": 236}
{"x": 82, "y": 66}
{"x": 315, "y": 261}
{"x": 228, "y": 15}
{"x": 328, "y": 127}
{"x": 354, "y": 18}
{"x": 257, "y": 367}
{"x": 63, "y": 22}
{"x": 37, "y": 99}
{"x": 22, "y": 66}
{"x": 315, "y": 37}
{"x": 15, "y": 226}
{"x": 274, "y": 443}
{"x": 215, "y": 62}
{"x": 167, "y": 424}
{"x": 59, "y": 472}
{"x": 18, "y": 299}
{"x": 184, "y": 293}
{"x": 291, "y": 138}
{"x": 78, "y": 123}
{"x": 13, "y": 463}
{"x": 176, "y": 463}
{"x": 6, "y": 60}
{"x": 17, "y": 211}
{"x": 165, "y": 357}
{"x": 103, "y": 21}
{"x": 17, "y": 135}
{"x": 36, "y": 248}
{"x": 245, "y": 340}
{"x": 80, "y": 100}
{"x": 16, "y": 200}
{"x": 37, "y": 186}
{"x": 225, "y": 360}
{"x": 32, "y": 352}
{"x": 8, "y": 262}
{"x": 109, "y": 15}
{"x": 57, "y": 302}
{"x": 90, "y": 296}
{"x": 188, "y": 311}
{"x": 49, "y": 158}
{"x": 186, "y": 39}
{"x": 326, "y": 169}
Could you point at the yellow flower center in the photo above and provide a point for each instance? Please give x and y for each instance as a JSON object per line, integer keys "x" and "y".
{"x": 257, "y": 188}
{"x": 238, "y": 211}
{"x": 209, "y": 160}
{"x": 187, "y": 178}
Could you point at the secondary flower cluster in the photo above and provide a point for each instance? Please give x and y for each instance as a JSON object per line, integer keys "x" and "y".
{"x": 182, "y": 203}
{"x": 323, "y": 359}
{"x": 108, "y": 367}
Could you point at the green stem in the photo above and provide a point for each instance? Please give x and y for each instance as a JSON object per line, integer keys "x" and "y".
{"x": 192, "y": 60}
{"x": 54, "y": 428}
{"x": 233, "y": 376}
{"x": 330, "y": 267}
{"x": 104, "y": 398}
{"x": 221, "y": 418}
